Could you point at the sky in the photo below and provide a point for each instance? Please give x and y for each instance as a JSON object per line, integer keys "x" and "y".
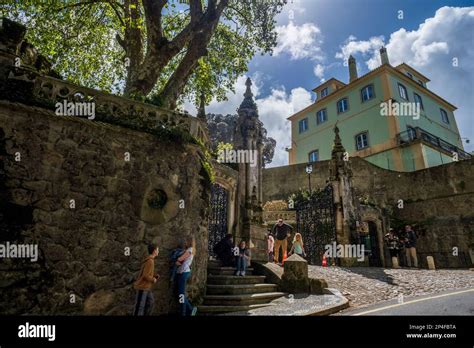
{"x": 315, "y": 37}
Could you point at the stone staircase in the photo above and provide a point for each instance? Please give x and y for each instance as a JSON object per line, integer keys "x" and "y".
{"x": 228, "y": 293}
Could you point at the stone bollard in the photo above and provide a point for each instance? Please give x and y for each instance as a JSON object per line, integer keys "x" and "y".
{"x": 395, "y": 262}
{"x": 431, "y": 263}
{"x": 295, "y": 275}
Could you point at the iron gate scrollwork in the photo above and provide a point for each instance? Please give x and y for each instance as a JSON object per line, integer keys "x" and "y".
{"x": 218, "y": 219}
{"x": 315, "y": 220}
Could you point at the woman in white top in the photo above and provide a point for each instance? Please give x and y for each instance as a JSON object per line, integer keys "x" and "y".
{"x": 184, "y": 271}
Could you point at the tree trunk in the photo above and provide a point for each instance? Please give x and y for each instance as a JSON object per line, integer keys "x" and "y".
{"x": 196, "y": 36}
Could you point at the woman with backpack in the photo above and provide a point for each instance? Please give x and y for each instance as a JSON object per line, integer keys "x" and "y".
{"x": 183, "y": 272}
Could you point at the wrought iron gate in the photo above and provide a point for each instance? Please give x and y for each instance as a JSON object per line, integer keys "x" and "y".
{"x": 218, "y": 218}
{"x": 315, "y": 220}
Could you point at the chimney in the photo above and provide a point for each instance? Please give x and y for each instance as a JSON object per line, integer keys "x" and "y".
{"x": 384, "y": 56}
{"x": 352, "y": 69}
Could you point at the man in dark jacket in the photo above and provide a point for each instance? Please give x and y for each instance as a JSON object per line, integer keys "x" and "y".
{"x": 224, "y": 251}
{"x": 281, "y": 231}
{"x": 410, "y": 246}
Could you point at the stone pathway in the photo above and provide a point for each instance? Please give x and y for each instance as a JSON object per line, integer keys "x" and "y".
{"x": 300, "y": 305}
{"x": 367, "y": 285}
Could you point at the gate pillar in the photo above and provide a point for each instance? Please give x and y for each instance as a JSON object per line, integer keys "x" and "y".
{"x": 340, "y": 177}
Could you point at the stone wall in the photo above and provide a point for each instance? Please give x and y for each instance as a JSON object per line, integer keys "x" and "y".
{"x": 83, "y": 250}
{"x": 440, "y": 198}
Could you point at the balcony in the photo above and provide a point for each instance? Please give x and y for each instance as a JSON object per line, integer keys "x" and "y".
{"x": 417, "y": 134}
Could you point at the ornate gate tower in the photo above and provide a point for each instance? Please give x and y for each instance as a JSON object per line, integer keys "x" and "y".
{"x": 249, "y": 146}
{"x": 340, "y": 177}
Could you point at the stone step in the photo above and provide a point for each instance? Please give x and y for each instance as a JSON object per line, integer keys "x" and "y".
{"x": 203, "y": 310}
{"x": 240, "y": 289}
{"x": 234, "y": 280}
{"x": 246, "y": 299}
{"x": 226, "y": 270}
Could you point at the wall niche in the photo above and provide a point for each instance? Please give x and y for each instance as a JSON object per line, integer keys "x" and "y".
{"x": 159, "y": 205}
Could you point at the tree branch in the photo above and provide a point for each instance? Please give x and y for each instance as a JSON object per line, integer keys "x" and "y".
{"x": 195, "y": 7}
{"x": 197, "y": 48}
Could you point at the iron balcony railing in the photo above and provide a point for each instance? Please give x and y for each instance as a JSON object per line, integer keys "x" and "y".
{"x": 417, "y": 133}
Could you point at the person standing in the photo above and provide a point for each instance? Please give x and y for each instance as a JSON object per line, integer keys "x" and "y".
{"x": 145, "y": 301}
{"x": 184, "y": 271}
{"x": 271, "y": 245}
{"x": 392, "y": 242}
{"x": 410, "y": 246}
{"x": 281, "y": 231}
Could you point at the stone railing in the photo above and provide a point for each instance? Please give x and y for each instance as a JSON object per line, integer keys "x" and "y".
{"x": 114, "y": 109}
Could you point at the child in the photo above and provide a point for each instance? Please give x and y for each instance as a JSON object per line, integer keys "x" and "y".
{"x": 271, "y": 246}
{"x": 242, "y": 259}
{"x": 298, "y": 246}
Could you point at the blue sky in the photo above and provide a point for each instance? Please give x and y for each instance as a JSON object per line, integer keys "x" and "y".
{"x": 316, "y": 36}
{"x": 337, "y": 19}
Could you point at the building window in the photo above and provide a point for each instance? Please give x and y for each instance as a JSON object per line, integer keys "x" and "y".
{"x": 321, "y": 116}
{"x": 324, "y": 92}
{"x": 362, "y": 140}
{"x": 342, "y": 105}
{"x": 403, "y": 91}
{"x": 303, "y": 124}
{"x": 409, "y": 75}
{"x": 367, "y": 93}
{"x": 313, "y": 156}
{"x": 444, "y": 116}
{"x": 411, "y": 133}
{"x": 421, "y": 83}
{"x": 418, "y": 100}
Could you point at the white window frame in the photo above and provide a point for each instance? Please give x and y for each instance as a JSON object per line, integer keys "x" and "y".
{"x": 366, "y": 133}
{"x": 303, "y": 121}
{"x": 404, "y": 89}
{"x": 367, "y": 88}
{"x": 317, "y": 155}
{"x": 324, "y": 92}
{"x": 347, "y": 105}
{"x": 444, "y": 114}
{"x": 421, "y": 100}
{"x": 325, "y": 116}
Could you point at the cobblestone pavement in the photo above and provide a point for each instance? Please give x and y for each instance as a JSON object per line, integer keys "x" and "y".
{"x": 367, "y": 285}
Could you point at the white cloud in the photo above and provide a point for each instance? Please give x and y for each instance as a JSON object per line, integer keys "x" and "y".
{"x": 233, "y": 101}
{"x": 353, "y": 46}
{"x": 299, "y": 41}
{"x": 319, "y": 71}
{"x": 431, "y": 49}
{"x": 273, "y": 110}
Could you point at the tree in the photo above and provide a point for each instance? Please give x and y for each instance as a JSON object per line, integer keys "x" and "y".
{"x": 221, "y": 131}
{"x": 160, "y": 49}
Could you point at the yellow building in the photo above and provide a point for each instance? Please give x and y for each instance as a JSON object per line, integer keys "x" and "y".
{"x": 388, "y": 116}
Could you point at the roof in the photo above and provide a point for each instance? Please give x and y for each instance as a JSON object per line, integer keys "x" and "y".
{"x": 405, "y": 65}
{"x": 332, "y": 79}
